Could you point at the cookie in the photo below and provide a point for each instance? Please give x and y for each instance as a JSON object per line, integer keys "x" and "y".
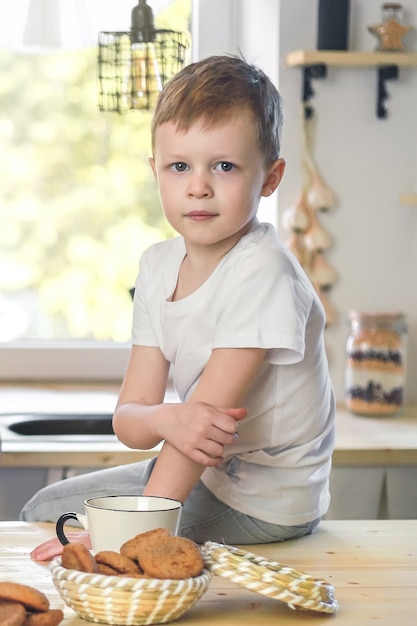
{"x": 132, "y": 547}
{"x": 12, "y": 613}
{"x": 32, "y": 599}
{"x": 171, "y": 557}
{"x": 49, "y": 618}
{"x": 77, "y": 556}
{"x": 119, "y": 563}
{"x": 106, "y": 570}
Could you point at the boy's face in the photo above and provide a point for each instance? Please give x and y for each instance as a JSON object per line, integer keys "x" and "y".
{"x": 211, "y": 178}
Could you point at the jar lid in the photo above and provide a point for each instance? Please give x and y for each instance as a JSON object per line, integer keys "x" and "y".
{"x": 376, "y": 318}
{"x": 269, "y": 578}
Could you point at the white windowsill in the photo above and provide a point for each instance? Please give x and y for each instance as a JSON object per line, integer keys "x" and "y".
{"x": 63, "y": 361}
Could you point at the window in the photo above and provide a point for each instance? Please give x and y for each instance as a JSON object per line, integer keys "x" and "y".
{"x": 78, "y": 202}
{"x": 78, "y": 207}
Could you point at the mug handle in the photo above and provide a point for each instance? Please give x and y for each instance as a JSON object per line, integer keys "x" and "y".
{"x": 59, "y": 527}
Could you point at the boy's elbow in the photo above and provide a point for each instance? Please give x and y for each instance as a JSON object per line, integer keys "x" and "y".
{"x": 129, "y": 431}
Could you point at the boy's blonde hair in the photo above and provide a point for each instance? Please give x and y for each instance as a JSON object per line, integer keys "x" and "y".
{"x": 213, "y": 90}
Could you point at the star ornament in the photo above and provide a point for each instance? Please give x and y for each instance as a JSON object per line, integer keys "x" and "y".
{"x": 390, "y": 35}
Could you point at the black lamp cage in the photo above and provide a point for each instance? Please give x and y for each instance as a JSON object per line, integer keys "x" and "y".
{"x": 134, "y": 66}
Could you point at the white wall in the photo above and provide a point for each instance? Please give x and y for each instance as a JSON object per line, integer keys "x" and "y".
{"x": 368, "y": 162}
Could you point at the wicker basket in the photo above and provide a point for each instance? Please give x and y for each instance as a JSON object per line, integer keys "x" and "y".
{"x": 270, "y": 578}
{"x": 128, "y": 601}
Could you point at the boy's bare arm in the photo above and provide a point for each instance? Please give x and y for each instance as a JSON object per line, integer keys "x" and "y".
{"x": 224, "y": 383}
{"x": 142, "y": 419}
{"x": 141, "y": 397}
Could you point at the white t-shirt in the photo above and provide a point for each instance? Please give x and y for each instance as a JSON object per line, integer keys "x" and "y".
{"x": 258, "y": 296}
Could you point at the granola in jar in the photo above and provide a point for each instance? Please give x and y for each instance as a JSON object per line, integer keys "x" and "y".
{"x": 376, "y": 363}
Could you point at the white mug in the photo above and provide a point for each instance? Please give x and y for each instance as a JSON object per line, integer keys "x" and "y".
{"x": 113, "y": 520}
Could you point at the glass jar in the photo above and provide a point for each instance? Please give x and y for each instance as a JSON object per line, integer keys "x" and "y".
{"x": 392, "y": 30}
{"x": 376, "y": 353}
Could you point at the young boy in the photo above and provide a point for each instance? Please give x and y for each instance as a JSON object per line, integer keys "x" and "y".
{"x": 248, "y": 449}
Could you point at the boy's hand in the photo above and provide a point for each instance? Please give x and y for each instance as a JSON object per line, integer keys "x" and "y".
{"x": 53, "y": 547}
{"x": 201, "y": 431}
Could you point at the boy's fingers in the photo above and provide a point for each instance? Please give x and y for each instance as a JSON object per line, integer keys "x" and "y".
{"x": 53, "y": 547}
{"x": 237, "y": 414}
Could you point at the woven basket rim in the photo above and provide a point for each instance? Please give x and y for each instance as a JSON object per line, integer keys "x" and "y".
{"x": 125, "y": 583}
{"x": 270, "y": 578}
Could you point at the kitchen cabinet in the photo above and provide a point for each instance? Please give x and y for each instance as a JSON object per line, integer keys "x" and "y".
{"x": 26, "y": 466}
{"x": 380, "y": 492}
{"x": 357, "y": 491}
{"x": 19, "y": 484}
{"x": 374, "y": 465}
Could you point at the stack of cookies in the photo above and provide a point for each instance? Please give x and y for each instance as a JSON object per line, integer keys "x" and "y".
{"x": 152, "y": 554}
{"x": 22, "y": 605}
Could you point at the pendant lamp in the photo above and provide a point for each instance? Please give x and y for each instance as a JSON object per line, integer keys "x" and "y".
{"x": 134, "y": 66}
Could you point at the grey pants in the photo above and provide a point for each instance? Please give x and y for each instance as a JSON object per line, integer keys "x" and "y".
{"x": 204, "y": 517}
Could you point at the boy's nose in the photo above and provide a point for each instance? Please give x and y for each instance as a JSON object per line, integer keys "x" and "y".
{"x": 199, "y": 185}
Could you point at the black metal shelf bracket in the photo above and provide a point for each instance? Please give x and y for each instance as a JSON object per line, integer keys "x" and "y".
{"x": 388, "y": 72}
{"x": 310, "y": 72}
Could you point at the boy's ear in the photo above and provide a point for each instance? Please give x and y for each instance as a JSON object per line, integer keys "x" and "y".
{"x": 273, "y": 177}
{"x": 153, "y": 166}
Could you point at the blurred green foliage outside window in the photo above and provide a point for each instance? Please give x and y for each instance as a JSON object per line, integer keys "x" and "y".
{"x": 78, "y": 202}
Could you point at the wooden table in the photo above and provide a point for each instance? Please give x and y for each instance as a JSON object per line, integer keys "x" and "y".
{"x": 372, "y": 565}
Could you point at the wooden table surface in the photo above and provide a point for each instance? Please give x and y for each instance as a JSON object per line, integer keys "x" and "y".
{"x": 372, "y": 565}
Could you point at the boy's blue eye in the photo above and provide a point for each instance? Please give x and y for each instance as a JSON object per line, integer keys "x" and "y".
{"x": 180, "y": 167}
{"x": 225, "y": 166}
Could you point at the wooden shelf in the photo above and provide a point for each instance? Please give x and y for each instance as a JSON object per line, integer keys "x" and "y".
{"x": 350, "y": 59}
{"x": 314, "y": 64}
{"x": 408, "y": 199}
